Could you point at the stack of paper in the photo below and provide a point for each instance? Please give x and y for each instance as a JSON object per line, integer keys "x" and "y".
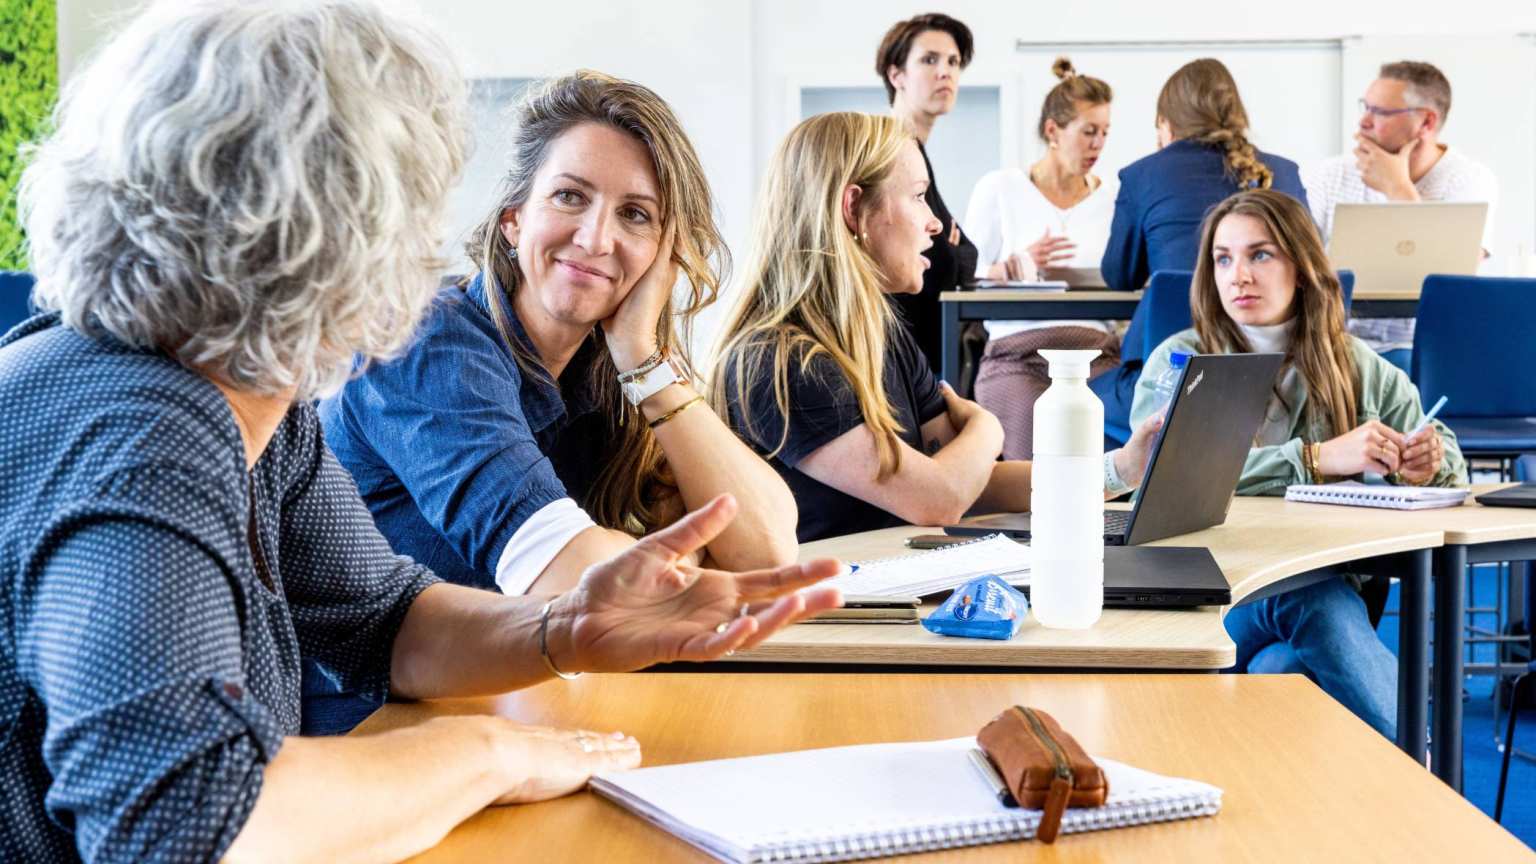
{"x": 938, "y": 570}
{"x": 868, "y": 801}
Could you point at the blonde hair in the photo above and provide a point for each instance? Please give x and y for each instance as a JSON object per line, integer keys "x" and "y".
{"x": 1201, "y": 103}
{"x": 633, "y": 482}
{"x": 812, "y": 289}
{"x": 255, "y": 189}
{"x": 1319, "y": 347}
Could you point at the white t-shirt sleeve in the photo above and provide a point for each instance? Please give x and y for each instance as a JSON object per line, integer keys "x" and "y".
{"x": 984, "y": 222}
{"x": 536, "y": 542}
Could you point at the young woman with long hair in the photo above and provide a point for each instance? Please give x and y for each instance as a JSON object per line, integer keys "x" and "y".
{"x": 817, "y": 373}
{"x": 1264, "y": 284}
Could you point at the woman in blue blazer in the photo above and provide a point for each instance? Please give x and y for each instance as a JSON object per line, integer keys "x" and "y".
{"x": 1203, "y": 156}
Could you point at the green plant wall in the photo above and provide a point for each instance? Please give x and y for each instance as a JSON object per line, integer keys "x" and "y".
{"x": 29, "y": 83}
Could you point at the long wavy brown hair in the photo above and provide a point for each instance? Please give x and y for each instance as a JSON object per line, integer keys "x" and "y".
{"x": 633, "y": 483}
{"x": 1201, "y": 103}
{"x": 1319, "y": 347}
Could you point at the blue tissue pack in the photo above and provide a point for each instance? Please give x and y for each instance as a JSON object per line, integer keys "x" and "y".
{"x": 984, "y": 608}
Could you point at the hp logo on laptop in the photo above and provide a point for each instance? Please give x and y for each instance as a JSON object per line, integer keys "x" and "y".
{"x": 1195, "y": 383}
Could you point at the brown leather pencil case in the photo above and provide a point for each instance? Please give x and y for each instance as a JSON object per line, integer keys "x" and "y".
{"x": 1043, "y": 767}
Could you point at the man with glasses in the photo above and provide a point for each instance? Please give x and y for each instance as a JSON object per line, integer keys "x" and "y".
{"x": 1398, "y": 157}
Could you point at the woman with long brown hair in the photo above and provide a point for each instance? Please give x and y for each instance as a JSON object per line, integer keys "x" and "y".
{"x": 1263, "y": 284}
{"x": 546, "y": 415}
{"x": 1203, "y": 156}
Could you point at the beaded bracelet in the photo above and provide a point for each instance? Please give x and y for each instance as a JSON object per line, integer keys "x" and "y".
{"x": 645, "y": 366}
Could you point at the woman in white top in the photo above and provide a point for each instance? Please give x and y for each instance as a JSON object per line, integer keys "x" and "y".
{"x": 1027, "y": 224}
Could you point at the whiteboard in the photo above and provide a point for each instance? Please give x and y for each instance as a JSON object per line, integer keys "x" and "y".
{"x": 1291, "y": 90}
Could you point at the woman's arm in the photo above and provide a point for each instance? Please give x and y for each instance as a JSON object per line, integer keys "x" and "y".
{"x": 389, "y": 796}
{"x": 707, "y": 459}
{"x": 928, "y": 489}
{"x": 704, "y": 456}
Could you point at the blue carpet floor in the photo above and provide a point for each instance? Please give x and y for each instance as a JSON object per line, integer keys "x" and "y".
{"x": 1481, "y": 735}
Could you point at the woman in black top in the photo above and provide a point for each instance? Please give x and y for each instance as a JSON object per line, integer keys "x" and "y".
{"x": 920, "y": 60}
{"x": 815, "y": 372}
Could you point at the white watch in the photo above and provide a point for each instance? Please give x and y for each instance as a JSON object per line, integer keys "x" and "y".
{"x": 644, "y": 386}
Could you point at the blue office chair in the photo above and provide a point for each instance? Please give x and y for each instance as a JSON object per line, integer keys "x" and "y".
{"x": 15, "y": 298}
{"x": 1475, "y": 343}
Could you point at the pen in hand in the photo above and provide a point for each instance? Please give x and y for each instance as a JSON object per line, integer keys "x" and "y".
{"x": 1427, "y": 417}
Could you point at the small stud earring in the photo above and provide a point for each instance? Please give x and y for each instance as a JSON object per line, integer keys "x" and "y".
{"x": 512, "y": 253}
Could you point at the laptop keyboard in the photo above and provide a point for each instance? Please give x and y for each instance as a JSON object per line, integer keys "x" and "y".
{"x": 1115, "y": 521}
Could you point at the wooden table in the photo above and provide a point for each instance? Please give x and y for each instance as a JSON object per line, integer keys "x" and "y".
{"x": 1266, "y": 546}
{"x": 1303, "y": 779}
{"x": 957, "y": 307}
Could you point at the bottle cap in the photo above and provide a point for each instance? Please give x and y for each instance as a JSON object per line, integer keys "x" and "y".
{"x": 1178, "y": 359}
{"x": 1069, "y": 364}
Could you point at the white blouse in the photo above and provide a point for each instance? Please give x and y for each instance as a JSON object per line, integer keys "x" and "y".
{"x": 1008, "y": 212}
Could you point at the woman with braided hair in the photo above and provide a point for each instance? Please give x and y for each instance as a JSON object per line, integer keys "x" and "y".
{"x": 1203, "y": 157}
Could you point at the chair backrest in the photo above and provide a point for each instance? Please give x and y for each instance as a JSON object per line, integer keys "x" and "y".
{"x": 1475, "y": 343}
{"x": 1167, "y": 305}
{"x": 15, "y": 298}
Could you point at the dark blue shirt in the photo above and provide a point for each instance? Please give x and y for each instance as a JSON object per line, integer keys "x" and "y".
{"x": 1163, "y": 198}
{"x": 454, "y": 445}
{"x": 822, "y": 406}
{"x": 149, "y": 658}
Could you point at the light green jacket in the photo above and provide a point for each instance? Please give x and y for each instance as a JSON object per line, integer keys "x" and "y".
{"x": 1386, "y": 394}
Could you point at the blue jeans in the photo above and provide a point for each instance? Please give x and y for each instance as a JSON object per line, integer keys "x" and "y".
{"x": 1321, "y": 630}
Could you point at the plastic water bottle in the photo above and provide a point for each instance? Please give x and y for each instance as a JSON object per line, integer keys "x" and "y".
{"x": 1067, "y": 497}
{"x": 1168, "y": 382}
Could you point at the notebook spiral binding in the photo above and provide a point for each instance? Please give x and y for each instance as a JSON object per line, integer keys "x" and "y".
{"x": 977, "y": 832}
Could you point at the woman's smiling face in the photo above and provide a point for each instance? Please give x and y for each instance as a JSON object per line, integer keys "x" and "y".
{"x": 590, "y": 228}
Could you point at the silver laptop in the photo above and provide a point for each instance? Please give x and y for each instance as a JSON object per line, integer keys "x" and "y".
{"x": 1393, "y": 246}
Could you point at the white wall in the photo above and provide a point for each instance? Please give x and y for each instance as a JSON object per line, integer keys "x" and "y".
{"x": 728, "y": 66}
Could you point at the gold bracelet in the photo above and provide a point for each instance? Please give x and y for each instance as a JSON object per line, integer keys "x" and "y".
{"x": 675, "y": 411}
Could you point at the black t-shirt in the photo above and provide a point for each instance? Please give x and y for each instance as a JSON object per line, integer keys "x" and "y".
{"x": 949, "y": 265}
{"x": 822, "y": 406}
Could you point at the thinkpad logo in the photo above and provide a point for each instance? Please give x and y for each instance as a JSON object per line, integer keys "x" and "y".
{"x": 1195, "y": 383}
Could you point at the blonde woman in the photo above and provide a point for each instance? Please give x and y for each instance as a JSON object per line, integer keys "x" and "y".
{"x": 1203, "y": 156}
{"x": 816, "y": 372}
{"x": 1025, "y": 223}
{"x": 546, "y": 414}
{"x": 1340, "y": 410}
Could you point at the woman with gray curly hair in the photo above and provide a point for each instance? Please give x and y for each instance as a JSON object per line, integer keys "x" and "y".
{"x": 237, "y": 199}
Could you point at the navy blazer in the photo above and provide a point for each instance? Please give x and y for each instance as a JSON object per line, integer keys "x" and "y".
{"x": 1163, "y": 199}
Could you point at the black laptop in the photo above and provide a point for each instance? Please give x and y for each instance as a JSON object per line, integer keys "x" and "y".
{"x": 1171, "y": 576}
{"x": 1196, "y": 461}
{"x": 1523, "y": 495}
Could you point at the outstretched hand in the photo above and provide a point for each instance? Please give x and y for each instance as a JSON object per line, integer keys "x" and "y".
{"x": 647, "y": 605}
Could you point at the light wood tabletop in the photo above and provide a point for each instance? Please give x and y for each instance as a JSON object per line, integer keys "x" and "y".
{"x": 1303, "y": 780}
{"x": 1009, "y": 295}
{"x": 1263, "y": 541}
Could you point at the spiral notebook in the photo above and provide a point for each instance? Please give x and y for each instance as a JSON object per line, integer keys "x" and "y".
{"x": 1355, "y": 494}
{"x": 870, "y": 801}
{"x": 937, "y": 570}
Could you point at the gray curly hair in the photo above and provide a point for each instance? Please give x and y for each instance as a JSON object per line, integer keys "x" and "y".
{"x": 254, "y": 188}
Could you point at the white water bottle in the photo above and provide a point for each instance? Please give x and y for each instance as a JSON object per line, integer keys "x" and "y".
{"x": 1067, "y": 497}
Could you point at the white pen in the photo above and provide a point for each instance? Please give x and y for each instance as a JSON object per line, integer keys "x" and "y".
{"x": 1427, "y": 417}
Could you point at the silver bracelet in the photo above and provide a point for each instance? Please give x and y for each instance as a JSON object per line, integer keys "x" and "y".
{"x": 1114, "y": 485}
{"x": 544, "y": 645}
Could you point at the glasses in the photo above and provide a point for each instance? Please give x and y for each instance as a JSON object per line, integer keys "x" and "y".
{"x": 1378, "y": 111}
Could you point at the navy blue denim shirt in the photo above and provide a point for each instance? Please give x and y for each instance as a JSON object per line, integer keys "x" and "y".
{"x": 453, "y": 446}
